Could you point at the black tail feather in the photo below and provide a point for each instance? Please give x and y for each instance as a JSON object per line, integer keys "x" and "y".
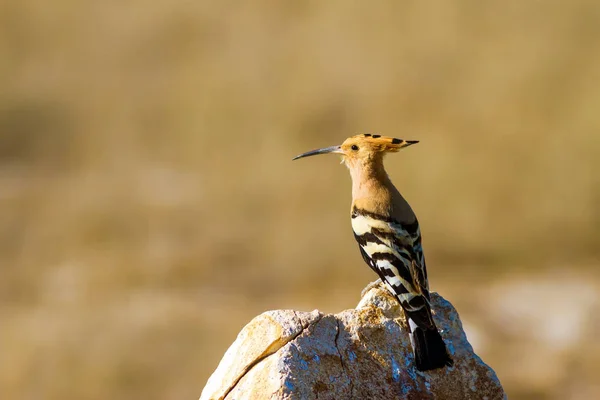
{"x": 430, "y": 350}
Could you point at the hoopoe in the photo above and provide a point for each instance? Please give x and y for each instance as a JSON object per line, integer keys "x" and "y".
{"x": 389, "y": 239}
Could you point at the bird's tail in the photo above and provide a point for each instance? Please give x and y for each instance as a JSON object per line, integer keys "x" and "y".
{"x": 429, "y": 348}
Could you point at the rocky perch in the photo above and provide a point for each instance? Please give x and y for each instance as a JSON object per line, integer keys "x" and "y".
{"x": 363, "y": 353}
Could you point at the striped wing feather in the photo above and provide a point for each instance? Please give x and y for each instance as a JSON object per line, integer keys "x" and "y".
{"x": 394, "y": 252}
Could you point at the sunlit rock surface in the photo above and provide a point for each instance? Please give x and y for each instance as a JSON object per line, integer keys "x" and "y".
{"x": 363, "y": 353}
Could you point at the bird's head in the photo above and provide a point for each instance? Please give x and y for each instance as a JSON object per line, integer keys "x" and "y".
{"x": 363, "y": 148}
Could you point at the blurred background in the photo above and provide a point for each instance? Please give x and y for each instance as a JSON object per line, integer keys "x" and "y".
{"x": 149, "y": 207}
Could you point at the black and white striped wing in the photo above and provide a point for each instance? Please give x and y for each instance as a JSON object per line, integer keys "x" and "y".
{"x": 394, "y": 252}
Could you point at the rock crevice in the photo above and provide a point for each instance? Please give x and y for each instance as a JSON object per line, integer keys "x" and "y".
{"x": 342, "y": 363}
{"x": 272, "y": 349}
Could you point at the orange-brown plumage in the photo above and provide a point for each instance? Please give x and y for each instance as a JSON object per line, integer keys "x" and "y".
{"x": 372, "y": 188}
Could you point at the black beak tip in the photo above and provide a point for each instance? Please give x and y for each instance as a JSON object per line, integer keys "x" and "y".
{"x": 412, "y": 141}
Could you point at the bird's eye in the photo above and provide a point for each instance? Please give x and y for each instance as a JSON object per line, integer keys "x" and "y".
{"x": 354, "y": 147}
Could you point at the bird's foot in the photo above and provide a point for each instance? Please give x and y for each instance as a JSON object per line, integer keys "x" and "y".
{"x": 370, "y": 286}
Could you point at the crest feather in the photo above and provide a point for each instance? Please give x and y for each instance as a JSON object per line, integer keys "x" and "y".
{"x": 381, "y": 143}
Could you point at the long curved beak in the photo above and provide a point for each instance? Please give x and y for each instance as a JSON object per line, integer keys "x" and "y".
{"x": 332, "y": 149}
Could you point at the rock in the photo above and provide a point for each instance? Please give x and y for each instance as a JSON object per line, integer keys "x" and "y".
{"x": 363, "y": 353}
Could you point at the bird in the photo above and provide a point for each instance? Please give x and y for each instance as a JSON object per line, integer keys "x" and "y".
{"x": 389, "y": 238}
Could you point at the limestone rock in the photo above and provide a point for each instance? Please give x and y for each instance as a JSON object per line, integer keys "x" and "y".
{"x": 363, "y": 353}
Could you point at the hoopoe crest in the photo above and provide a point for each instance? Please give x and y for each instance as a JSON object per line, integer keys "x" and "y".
{"x": 389, "y": 239}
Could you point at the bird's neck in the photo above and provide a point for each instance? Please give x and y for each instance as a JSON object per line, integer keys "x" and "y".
{"x": 372, "y": 190}
{"x": 370, "y": 182}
